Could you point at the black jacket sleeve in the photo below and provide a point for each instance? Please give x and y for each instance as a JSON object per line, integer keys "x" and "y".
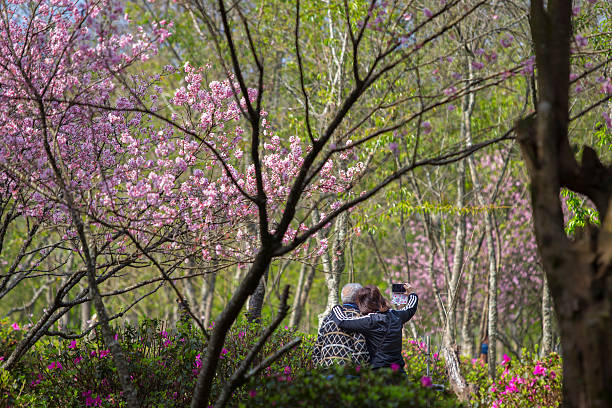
{"x": 361, "y": 324}
{"x": 410, "y": 309}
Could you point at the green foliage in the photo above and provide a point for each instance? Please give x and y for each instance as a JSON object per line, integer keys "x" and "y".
{"x": 579, "y": 210}
{"x": 346, "y": 387}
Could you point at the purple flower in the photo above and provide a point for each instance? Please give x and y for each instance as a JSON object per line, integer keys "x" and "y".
{"x": 477, "y": 65}
{"x": 426, "y": 381}
{"x": 393, "y": 147}
{"x": 581, "y": 41}
{"x": 506, "y": 41}
{"x": 224, "y": 351}
{"x": 426, "y": 127}
{"x": 427, "y": 12}
{"x": 104, "y": 353}
{"x": 449, "y": 91}
{"x": 72, "y": 344}
{"x": 607, "y": 119}
{"x": 241, "y": 334}
{"x": 287, "y": 370}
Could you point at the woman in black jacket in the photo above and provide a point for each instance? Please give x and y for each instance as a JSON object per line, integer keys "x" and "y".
{"x": 381, "y": 326}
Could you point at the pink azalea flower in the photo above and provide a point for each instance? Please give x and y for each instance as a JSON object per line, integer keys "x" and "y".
{"x": 287, "y": 370}
{"x": 539, "y": 370}
{"x": 72, "y": 344}
{"x": 241, "y": 334}
{"x": 15, "y": 326}
{"x": 506, "y": 359}
{"x": 104, "y": 353}
{"x": 426, "y": 381}
{"x": 252, "y": 393}
{"x": 394, "y": 367}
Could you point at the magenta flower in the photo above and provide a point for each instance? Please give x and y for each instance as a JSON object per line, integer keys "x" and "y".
{"x": 358, "y": 368}
{"x": 252, "y": 393}
{"x": 505, "y": 358}
{"x": 54, "y": 365}
{"x": 224, "y": 351}
{"x": 104, "y": 353}
{"x": 72, "y": 344}
{"x": 426, "y": 381}
{"x": 241, "y": 334}
{"x": 15, "y": 326}
{"x": 287, "y": 370}
{"x": 394, "y": 367}
{"x": 539, "y": 370}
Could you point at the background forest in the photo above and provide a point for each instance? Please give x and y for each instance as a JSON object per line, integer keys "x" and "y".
{"x": 185, "y": 161}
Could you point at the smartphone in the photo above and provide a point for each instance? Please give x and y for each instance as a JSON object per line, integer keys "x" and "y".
{"x": 398, "y": 288}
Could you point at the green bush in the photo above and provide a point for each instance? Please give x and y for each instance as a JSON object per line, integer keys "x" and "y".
{"x": 345, "y": 387}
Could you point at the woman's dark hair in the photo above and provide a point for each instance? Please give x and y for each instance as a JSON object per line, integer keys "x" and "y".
{"x": 370, "y": 300}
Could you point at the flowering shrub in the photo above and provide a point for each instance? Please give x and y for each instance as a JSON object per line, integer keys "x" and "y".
{"x": 532, "y": 382}
{"x": 346, "y": 387}
{"x": 415, "y": 355}
{"x": 164, "y": 364}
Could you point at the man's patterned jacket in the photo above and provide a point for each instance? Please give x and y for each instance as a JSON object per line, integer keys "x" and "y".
{"x": 334, "y": 346}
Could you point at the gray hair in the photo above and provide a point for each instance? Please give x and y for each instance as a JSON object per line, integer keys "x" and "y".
{"x": 348, "y": 292}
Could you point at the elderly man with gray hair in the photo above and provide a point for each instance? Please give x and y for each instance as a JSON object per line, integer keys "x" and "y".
{"x": 335, "y": 346}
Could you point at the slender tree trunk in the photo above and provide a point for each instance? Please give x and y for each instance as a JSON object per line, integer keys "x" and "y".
{"x": 546, "y": 346}
{"x": 257, "y": 299}
{"x": 333, "y": 266}
{"x": 449, "y": 344}
{"x": 467, "y": 345}
{"x": 208, "y": 297}
{"x": 304, "y": 296}
{"x": 296, "y": 310}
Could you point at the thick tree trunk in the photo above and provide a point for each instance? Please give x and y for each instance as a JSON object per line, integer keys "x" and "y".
{"x": 224, "y": 322}
{"x": 546, "y": 346}
{"x": 579, "y": 272}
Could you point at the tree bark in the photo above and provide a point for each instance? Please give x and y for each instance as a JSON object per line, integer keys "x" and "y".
{"x": 467, "y": 345}
{"x": 257, "y": 299}
{"x": 223, "y": 323}
{"x": 208, "y": 296}
{"x": 579, "y": 272}
{"x": 333, "y": 266}
{"x": 546, "y": 346}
